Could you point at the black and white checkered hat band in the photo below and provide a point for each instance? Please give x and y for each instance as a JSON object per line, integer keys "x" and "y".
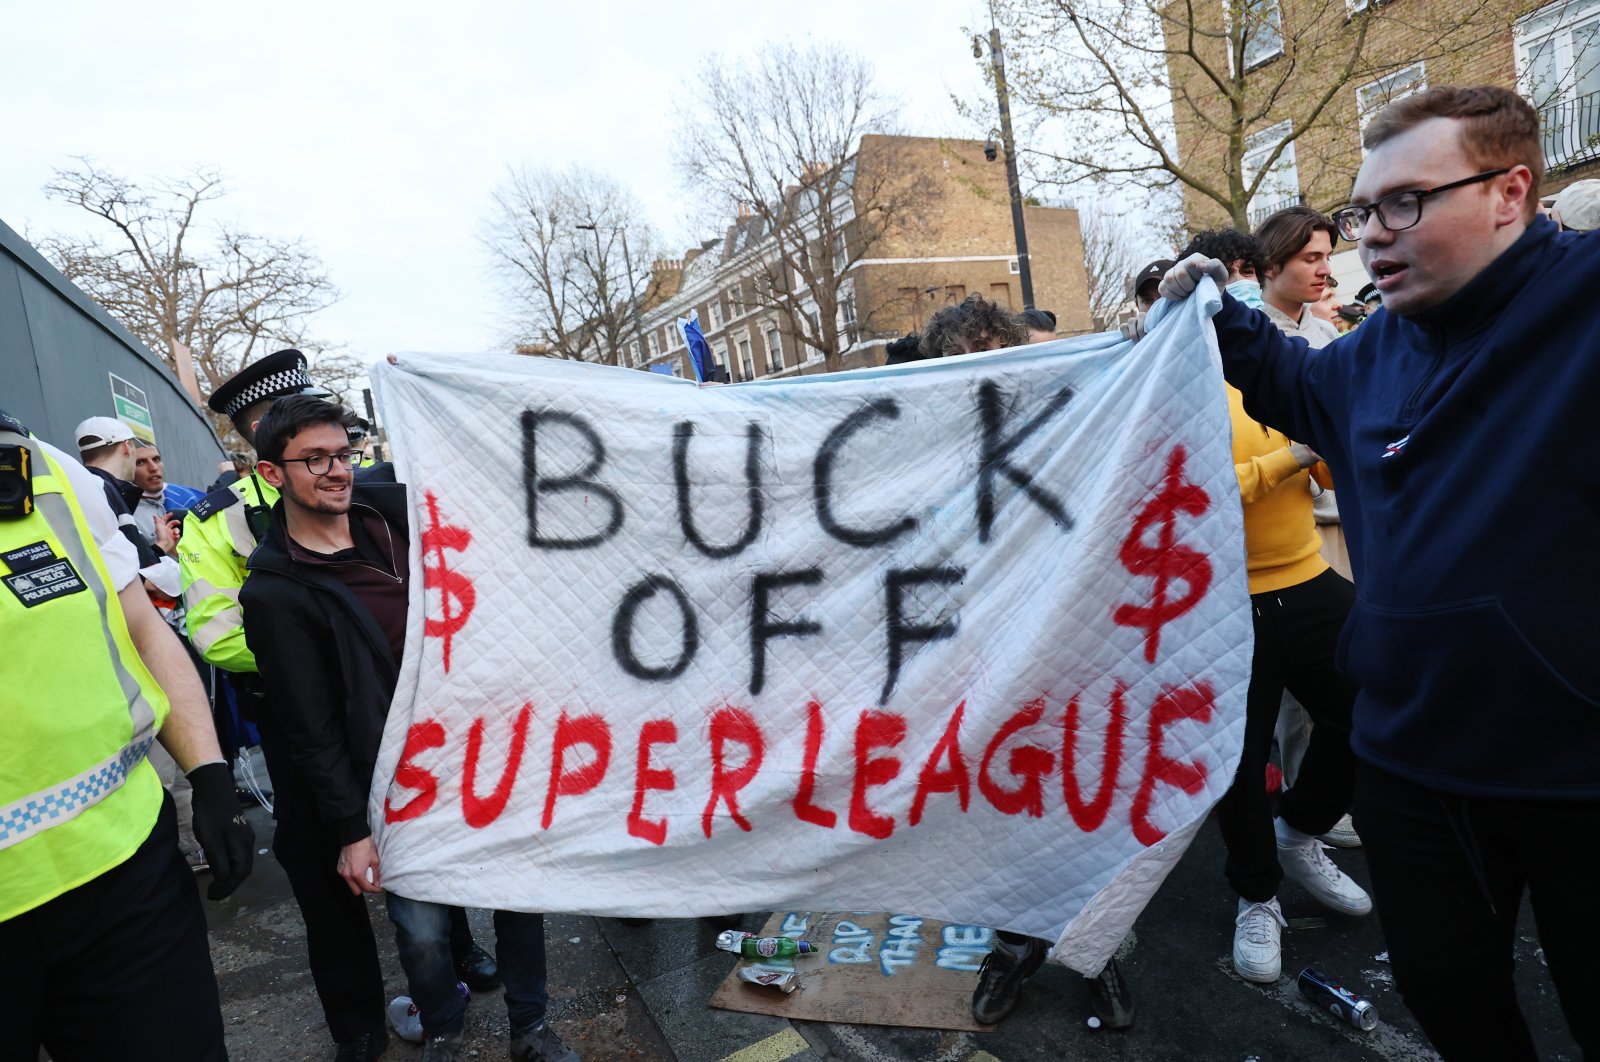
{"x": 288, "y": 382}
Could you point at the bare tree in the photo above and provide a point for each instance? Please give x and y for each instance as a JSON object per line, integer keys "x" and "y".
{"x": 226, "y": 294}
{"x": 779, "y": 140}
{"x": 1214, "y": 97}
{"x": 573, "y": 253}
{"x": 1112, "y": 255}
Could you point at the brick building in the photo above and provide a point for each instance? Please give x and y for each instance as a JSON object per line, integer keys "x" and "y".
{"x": 1549, "y": 51}
{"x": 950, "y": 237}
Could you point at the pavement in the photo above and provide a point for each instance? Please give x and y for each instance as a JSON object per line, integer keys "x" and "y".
{"x": 640, "y": 992}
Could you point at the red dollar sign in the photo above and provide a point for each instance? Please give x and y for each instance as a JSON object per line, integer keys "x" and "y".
{"x": 1165, "y": 562}
{"x": 454, "y": 588}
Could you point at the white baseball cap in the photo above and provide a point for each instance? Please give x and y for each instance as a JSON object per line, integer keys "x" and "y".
{"x": 1578, "y": 205}
{"x": 101, "y": 431}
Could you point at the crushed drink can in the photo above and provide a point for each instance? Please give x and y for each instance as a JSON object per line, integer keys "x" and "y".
{"x": 1332, "y": 996}
{"x": 783, "y": 980}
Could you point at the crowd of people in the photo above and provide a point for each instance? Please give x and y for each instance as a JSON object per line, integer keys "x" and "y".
{"x": 1422, "y": 659}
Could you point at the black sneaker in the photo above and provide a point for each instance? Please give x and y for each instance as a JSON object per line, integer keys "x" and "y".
{"x": 368, "y": 1047}
{"x": 540, "y": 1044}
{"x": 1111, "y": 998}
{"x": 477, "y": 970}
{"x": 1001, "y": 976}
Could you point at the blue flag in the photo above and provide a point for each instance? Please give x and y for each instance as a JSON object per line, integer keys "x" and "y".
{"x": 700, "y": 358}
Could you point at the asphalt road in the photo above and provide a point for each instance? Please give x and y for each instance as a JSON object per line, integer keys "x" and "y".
{"x": 640, "y": 992}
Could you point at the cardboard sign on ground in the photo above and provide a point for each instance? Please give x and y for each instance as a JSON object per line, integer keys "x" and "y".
{"x": 869, "y": 969}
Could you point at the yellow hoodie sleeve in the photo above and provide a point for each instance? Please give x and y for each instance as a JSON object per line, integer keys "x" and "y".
{"x": 1261, "y": 475}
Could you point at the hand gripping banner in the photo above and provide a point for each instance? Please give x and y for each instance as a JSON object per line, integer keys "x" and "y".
{"x": 964, "y": 638}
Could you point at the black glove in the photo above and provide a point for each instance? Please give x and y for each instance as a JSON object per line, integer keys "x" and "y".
{"x": 221, "y": 828}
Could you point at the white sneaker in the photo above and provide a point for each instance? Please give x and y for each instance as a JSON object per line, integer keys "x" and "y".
{"x": 1258, "y": 941}
{"x": 406, "y": 1020}
{"x": 1304, "y": 862}
{"x": 1343, "y": 834}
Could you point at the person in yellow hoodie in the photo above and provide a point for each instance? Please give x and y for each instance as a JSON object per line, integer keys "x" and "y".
{"x": 1298, "y": 606}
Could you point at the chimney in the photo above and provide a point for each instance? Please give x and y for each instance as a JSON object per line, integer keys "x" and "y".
{"x": 746, "y": 210}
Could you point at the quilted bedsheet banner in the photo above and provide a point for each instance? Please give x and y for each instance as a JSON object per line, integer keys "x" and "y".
{"x": 965, "y": 638}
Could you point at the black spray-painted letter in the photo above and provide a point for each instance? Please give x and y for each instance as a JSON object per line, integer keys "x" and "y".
{"x": 763, "y": 627}
{"x": 994, "y": 456}
{"x": 902, "y": 631}
{"x": 622, "y": 629}
{"x": 681, "y": 434}
{"x": 822, "y": 478}
{"x": 540, "y": 484}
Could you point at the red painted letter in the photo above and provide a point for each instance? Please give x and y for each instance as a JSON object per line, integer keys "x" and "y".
{"x": 654, "y": 732}
{"x": 1028, "y": 762}
{"x": 1185, "y": 702}
{"x": 1089, "y": 816}
{"x": 588, "y": 730}
{"x": 419, "y": 739}
{"x": 952, "y": 779}
{"x": 731, "y": 724}
{"x": 804, "y": 809}
{"x": 480, "y": 811}
{"x": 874, "y": 730}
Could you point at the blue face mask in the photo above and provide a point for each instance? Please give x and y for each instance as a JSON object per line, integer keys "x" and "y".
{"x": 1247, "y": 292}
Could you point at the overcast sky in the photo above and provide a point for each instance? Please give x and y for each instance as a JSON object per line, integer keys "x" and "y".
{"x": 377, "y": 136}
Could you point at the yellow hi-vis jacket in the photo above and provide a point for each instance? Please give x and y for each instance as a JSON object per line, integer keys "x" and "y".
{"x": 78, "y": 708}
{"x": 216, "y": 543}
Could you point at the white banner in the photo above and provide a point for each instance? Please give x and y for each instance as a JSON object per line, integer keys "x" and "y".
{"x": 965, "y": 638}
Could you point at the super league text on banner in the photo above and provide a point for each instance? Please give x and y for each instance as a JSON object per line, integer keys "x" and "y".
{"x": 965, "y": 638}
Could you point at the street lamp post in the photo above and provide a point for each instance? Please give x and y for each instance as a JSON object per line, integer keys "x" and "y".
{"x": 997, "y": 60}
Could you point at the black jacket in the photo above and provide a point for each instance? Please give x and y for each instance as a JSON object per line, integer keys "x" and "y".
{"x": 327, "y": 667}
{"x": 123, "y": 497}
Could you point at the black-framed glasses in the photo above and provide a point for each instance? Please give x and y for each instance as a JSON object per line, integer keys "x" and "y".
{"x": 1399, "y": 210}
{"x": 322, "y": 464}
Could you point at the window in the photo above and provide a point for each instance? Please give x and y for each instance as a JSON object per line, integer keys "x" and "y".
{"x": 1281, "y": 186}
{"x": 847, "y": 317}
{"x": 774, "y": 350}
{"x": 747, "y": 364}
{"x": 638, "y": 353}
{"x": 716, "y": 312}
{"x": 1558, "y": 70}
{"x": 1262, "y": 30}
{"x": 1376, "y": 95}
{"x": 840, "y": 255}
{"x": 650, "y": 344}
{"x": 1015, "y": 266}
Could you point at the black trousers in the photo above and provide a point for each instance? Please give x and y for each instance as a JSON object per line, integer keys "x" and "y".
{"x": 1448, "y": 875}
{"x": 339, "y": 942}
{"x": 1297, "y": 632}
{"x": 118, "y": 967}
{"x": 340, "y": 945}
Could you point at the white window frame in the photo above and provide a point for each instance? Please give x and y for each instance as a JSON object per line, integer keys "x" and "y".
{"x": 774, "y": 349}
{"x": 1254, "y": 59}
{"x": 1558, "y": 25}
{"x": 747, "y": 358}
{"x": 1374, "y": 96}
{"x": 841, "y": 252}
{"x": 1553, "y": 22}
{"x": 1287, "y": 165}
{"x": 714, "y": 311}
{"x": 847, "y": 315}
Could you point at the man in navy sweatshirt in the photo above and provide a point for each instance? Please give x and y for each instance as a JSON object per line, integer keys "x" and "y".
{"x": 1460, "y": 423}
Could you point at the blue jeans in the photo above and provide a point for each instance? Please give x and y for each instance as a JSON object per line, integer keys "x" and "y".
{"x": 422, "y": 936}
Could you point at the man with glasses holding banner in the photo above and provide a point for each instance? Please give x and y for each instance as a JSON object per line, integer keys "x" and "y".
{"x": 1459, "y": 422}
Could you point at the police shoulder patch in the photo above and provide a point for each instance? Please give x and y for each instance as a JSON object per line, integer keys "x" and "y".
{"x": 213, "y": 503}
{"x": 10, "y": 423}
